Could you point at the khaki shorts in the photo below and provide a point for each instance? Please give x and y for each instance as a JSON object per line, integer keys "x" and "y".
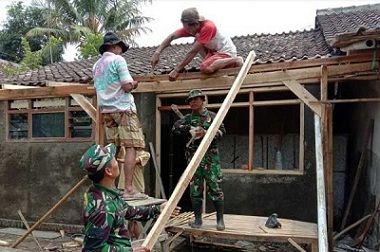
{"x": 124, "y": 129}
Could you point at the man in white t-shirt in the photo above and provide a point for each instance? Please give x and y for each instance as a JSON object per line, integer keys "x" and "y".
{"x": 217, "y": 50}
{"x": 114, "y": 83}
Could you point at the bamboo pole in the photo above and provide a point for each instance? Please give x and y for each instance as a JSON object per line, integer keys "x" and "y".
{"x": 351, "y": 227}
{"x": 28, "y": 227}
{"x": 358, "y": 173}
{"x": 195, "y": 161}
{"x": 79, "y": 184}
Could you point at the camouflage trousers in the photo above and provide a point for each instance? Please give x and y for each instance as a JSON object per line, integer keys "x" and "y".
{"x": 209, "y": 171}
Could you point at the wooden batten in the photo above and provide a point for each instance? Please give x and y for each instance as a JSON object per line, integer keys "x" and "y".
{"x": 264, "y": 79}
{"x": 254, "y": 80}
{"x": 9, "y": 86}
{"x": 46, "y": 92}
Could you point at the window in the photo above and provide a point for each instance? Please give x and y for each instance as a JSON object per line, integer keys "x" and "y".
{"x": 18, "y": 126}
{"x": 39, "y": 119}
{"x": 265, "y": 130}
{"x": 48, "y": 125}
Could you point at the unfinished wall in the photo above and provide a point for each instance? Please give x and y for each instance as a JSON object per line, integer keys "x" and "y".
{"x": 36, "y": 175}
{"x": 368, "y": 191}
{"x": 290, "y": 196}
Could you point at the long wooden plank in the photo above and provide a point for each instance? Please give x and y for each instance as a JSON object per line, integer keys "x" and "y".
{"x": 259, "y": 68}
{"x": 86, "y": 105}
{"x": 268, "y": 78}
{"x": 250, "y": 228}
{"x": 302, "y": 75}
{"x": 195, "y": 161}
{"x": 304, "y": 95}
{"x": 46, "y": 92}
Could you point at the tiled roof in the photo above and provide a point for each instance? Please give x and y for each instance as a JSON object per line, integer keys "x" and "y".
{"x": 347, "y": 20}
{"x": 269, "y": 48}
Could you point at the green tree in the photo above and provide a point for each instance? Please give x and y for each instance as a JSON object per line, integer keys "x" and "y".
{"x": 31, "y": 60}
{"x": 74, "y": 20}
{"x": 90, "y": 47}
{"x": 20, "y": 20}
{"x": 52, "y": 51}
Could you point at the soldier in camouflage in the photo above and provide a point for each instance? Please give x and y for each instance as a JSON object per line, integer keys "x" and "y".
{"x": 105, "y": 213}
{"x": 194, "y": 127}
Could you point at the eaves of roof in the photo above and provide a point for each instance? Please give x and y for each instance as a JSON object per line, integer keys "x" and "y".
{"x": 269, "y": 48}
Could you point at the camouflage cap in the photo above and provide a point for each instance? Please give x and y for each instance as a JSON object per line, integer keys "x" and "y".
{"x": 96, "y": 157}
{"x": 194, "y": 93}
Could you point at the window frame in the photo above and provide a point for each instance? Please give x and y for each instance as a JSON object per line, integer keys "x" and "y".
{"x": 66, "y": 109}
{"x": 251, "y": 104}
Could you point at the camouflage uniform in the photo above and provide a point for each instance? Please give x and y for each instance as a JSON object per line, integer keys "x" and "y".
{"x": 105, "y": 219}
{"x": 209, "y": 168}
{"x": 105, "y": 213}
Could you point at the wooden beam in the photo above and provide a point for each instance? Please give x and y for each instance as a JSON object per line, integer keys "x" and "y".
{"x": 46, "y": 92}
{"x": 304, "y": 95}
{"x": 86, "y": 105}
{"x": 259, "y": 68}
{"x": 9, "y": 86}
{"x": 253, "y": 80}
{"x": 61, "y": 84}
{"x": 262, "y": 79}
{"x": 195, "y": 161}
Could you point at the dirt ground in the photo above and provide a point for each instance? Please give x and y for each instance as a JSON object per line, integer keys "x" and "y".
{"x": 61, "y": 244}
{"x": 67, "y": 244}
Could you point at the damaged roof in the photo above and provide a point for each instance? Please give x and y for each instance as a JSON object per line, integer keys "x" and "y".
{"x": 269, "y": 48}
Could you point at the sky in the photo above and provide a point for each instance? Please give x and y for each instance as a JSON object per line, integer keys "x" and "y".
{"x": 232, "y": 17}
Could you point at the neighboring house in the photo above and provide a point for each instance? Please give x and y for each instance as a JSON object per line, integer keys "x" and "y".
{"x": 5, "y": 63}
{"x": 45, "y": 131}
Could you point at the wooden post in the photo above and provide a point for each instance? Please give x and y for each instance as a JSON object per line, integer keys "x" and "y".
{"x": 327, "y": 142}
{"x": 321, "y": 192}
{"x": 99, "y": 128}
{"x": 251, "y": 133}
{"x": 158, "y": 170}
{"x": 195, "y": 161}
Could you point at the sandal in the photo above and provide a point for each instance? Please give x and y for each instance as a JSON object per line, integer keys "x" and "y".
{"x": 135, "y": 196}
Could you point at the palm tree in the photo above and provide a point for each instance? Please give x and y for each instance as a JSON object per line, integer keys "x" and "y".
{"x": 73, "y": 20}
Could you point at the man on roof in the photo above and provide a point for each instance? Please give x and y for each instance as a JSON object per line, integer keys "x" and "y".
{"x": 217, "y": 50}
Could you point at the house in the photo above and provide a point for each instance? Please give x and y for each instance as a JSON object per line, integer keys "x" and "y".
{"x": 331, "y": 70}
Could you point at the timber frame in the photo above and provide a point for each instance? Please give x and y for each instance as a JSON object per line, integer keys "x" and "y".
{"x": 271, "y": 77}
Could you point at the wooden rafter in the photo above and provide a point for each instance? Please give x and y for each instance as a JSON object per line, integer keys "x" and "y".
{"x": 86, "y": 105}
{"x": 304, "y": 95}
